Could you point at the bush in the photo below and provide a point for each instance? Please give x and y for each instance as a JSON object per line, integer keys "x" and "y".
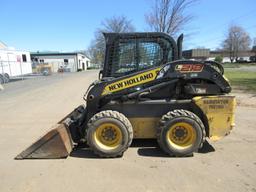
{"x": 218, "y": 59}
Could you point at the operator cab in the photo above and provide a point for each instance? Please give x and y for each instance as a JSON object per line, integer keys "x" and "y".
{"x": 132, "y": 52}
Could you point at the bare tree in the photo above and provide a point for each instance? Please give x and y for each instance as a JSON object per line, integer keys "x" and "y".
{"x": 254, "y": 47}
{"x": 169, "y": 15}
{"x": 115, "y": 24}
{"x": 237, "y": 40}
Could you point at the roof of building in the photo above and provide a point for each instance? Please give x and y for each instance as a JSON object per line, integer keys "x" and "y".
{"x": 200, "y": 52}
{"x": 55, "y": 53}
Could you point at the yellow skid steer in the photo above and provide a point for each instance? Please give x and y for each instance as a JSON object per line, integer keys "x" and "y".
{"x": 145, "y": 90}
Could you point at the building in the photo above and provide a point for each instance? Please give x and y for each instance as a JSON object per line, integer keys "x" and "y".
{"x": 243, "y": 55}
{"x": 196, "y": 54}
{"x": 69, "y": 62}
{"x": 13, "y": 62}
{"x": 206, "y": 54}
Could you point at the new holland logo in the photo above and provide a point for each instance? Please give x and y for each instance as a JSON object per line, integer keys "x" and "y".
{"x": 131, "y": 81}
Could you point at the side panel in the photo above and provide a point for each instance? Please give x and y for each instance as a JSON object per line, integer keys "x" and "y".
{"x": 219, "y": 111}
{"x": 145, "y": 116}
{"x": 144, "y": 128}
{"x": 11, "y": 63}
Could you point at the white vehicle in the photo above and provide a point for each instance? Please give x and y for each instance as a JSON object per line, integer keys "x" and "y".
{"x": 13, "y": 64}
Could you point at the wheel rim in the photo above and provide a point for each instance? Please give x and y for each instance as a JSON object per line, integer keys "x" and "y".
{"x": 181, "y": 135}
{"x": 108, "y": 136}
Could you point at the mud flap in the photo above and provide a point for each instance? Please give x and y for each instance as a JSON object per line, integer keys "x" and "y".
{"x": 57, "y": 143}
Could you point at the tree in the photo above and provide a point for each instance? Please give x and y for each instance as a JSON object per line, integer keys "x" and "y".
{"x": 218, "y": 59}
{"x": 115, "y": 24}
{"x": 254, "y": 46}
{"x": 253, "y": 57}
{"x": 237, "y": 40}
{"x": 169, "y": 16}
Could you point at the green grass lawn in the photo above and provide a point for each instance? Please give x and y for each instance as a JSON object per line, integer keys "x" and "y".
{"x": 243, "y": 79}
{"x": 237, "y": 65}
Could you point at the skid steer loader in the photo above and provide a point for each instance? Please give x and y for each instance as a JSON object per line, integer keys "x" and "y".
{"x": 145, "y": 90}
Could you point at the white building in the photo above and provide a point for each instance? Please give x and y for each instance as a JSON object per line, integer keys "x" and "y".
{"x": 69, "y": 62}
{"x": 14, "y": 63}
{"x": 206, "y": 54}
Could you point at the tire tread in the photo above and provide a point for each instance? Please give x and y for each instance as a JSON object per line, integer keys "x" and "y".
{"x": 116, "y": 115}
{"x": 175, "y": 114}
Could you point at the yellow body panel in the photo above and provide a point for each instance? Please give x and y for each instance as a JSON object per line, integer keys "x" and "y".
{"x": 219, "y": 111}
{"x": 131, "y": 81}
{"x": 144, "y": 128}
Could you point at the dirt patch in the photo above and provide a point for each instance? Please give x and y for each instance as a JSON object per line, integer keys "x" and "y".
{"x": 244, "y": 98}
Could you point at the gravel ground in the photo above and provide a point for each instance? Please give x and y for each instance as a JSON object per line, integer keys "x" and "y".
{"x": 28, "y": 109}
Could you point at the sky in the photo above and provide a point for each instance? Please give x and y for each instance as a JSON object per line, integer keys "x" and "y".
{"x": 59, "y": 25}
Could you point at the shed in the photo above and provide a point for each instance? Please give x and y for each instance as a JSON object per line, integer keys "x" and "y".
{"x": 69, "y": 61}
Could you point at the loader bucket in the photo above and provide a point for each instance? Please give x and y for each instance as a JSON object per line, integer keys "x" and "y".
{"x": 57, "y": 143}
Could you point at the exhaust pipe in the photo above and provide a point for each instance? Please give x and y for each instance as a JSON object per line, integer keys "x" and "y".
{"x": 179, "y": 45}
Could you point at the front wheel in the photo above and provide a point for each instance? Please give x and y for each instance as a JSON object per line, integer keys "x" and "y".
{"x": 180, "y": 133}
{"x": 109, "y": 133}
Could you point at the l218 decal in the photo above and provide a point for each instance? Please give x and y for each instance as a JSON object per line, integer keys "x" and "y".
{"x": 189, "y": 68}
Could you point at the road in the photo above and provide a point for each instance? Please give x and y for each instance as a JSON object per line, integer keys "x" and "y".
{"x": 28, "y": 109}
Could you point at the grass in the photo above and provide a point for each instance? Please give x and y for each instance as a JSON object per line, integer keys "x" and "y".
{"x": 237, "y": 65}
{"x": 245, "y": 80}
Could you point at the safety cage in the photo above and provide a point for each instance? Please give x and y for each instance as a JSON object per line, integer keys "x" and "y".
{"x": 132, "y": 52}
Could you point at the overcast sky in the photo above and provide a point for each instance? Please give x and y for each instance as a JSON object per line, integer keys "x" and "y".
{"x": 59, "y": 25}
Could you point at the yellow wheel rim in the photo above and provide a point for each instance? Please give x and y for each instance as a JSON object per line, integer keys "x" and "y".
{"x": 108, "y": 136}
{"x": 181, "y": 135}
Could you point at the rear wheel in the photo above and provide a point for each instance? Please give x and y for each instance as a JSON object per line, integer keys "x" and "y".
{"x": 180, "y": 133}
{"x": 7, "y": 77}
{"x": 109, "y": 133}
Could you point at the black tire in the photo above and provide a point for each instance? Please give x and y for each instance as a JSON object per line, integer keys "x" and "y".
{"x": 183, "y": 140}
{"x": 7, "y": 77}
{"x": 1, "y": 79}
{"x": 122, "y": 126}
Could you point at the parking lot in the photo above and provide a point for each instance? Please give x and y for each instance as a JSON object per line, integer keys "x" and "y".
{"x": 28, "y": 108}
